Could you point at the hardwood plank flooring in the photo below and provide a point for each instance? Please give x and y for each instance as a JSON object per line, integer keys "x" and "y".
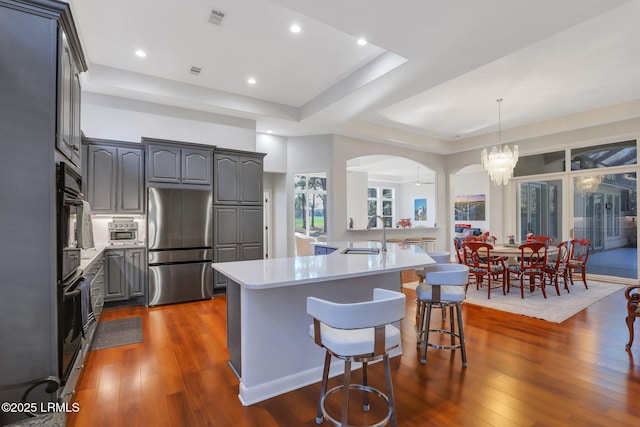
{"x": 521, "y": 372}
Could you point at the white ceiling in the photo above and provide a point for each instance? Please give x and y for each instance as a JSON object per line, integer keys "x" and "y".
{"x": 429, "y": 76}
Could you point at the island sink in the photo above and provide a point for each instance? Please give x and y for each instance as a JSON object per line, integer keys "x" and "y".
{"x": 366, "y": 251}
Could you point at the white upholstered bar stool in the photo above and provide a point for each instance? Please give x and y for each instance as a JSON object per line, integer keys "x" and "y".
{"x": 444, "y": 287}
{"x": 440, "y": 257}
{"x": 357, "y": 332}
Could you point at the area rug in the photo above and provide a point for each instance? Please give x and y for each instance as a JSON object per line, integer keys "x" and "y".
{"x": 554, "y": 308}
{"x": 118, "y": 332}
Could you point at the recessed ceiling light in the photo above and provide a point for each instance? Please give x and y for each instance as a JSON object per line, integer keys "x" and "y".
{"x": 251, "y": 81}
{"x": 361, "y": 42}
{"x": 295, "y": 28}
{"x": 141, "y": 53}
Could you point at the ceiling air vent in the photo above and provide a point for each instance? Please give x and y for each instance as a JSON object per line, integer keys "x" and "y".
{"x": 216, "y": 17}
{"x": 195, "y": 71}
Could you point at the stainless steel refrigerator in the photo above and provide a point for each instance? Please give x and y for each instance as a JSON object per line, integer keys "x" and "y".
{"x": 179, "y": 236}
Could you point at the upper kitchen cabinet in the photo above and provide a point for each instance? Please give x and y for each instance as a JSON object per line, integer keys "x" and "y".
{"x": 238, "y": 177}
{"x": 68, "y": 129}
{"x": 177, "y": 163}
{"x": 115, "y": 177}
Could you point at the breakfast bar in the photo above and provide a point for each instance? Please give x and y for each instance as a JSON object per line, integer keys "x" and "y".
{"x": 267, "y": 325}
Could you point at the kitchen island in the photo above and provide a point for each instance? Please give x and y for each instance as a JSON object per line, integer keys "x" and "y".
{"x": 267, "y": 324}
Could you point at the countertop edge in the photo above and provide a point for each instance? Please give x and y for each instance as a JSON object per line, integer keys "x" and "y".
{"x": 340, "y": 247}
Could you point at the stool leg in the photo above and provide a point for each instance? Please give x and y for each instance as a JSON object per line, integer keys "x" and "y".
{"x": 345, "y": 391}
{"x": 444, "y": 314}
{"x": 323, "y": 387}
{"x": 420, "y": 326}
{"x": 425, "y": 336}
{"x": 460, "y": 329}
{"x": 451, "y": 326}
{"x": 365, "y": 405}
{"x": 387, "y": 374}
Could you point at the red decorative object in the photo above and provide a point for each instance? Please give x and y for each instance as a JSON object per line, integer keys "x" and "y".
{"x": 404, "y": 222}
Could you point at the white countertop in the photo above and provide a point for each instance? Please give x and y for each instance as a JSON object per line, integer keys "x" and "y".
{"x": 89, "y": 255}
{"x": 280, "y": 272}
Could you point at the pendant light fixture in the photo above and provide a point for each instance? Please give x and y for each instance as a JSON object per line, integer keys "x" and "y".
{"x": 500, "y": 162}
{"x": 588, "y": 184}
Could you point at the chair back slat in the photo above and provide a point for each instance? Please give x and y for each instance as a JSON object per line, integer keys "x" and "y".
{"x": 580, "y": 250}
{"x": 476, "y": 255}
{"x": 533, "y": 258}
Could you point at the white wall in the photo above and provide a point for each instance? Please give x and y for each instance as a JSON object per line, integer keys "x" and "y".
{"x": 471, "y": 184}
{"x": 121, "y": 119}
{"x": 276, "y": 149}
{"x": 357, "y": 184}
{"x": 405, "y": 207}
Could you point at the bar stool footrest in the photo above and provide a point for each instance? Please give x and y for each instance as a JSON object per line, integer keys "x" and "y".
{"x": 364, "y": 388}
{"x": 442, "y": 346}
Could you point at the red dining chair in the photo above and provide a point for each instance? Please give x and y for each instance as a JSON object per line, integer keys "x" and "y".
{"x": 542, "y": 239}
{"x": 531, "y": 265}
{"x": 458, "y": 248}
{"x": 482, "y": 265}
{"x": 578, "y": 258}
{"x": 559, "y": 268}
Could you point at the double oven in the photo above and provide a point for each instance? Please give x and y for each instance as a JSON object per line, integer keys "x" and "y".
{"x": 69, "y": 213}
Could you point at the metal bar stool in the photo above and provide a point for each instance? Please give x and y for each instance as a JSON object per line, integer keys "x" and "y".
{"x": 357, "y": 332}
{"x": 444, "y": 287}
{"x": 440, "y": 257}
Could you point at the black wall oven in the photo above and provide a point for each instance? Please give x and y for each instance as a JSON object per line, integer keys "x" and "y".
{"x": 69, "y": 324}
{"x": 69, "y": 213}
{"x": 69, "y": 192}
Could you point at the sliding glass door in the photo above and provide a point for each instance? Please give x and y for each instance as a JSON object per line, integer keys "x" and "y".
{"x": 604, "y": 212}
{"x": 595, "y": 187}
{"x": 540, "y": 209}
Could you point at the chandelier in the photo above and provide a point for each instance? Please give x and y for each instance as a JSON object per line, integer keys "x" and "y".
{"x": 588, "y": 184}
{"x": 500, "y": 162}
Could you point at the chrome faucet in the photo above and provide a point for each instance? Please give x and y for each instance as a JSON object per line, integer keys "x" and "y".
{"x": 384, "y": 231}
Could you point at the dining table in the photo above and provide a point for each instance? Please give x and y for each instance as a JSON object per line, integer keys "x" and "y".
{"x": 512, "y": 252}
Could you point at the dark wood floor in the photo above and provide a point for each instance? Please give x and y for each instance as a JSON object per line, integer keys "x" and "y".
{"x": 521, "y": 372}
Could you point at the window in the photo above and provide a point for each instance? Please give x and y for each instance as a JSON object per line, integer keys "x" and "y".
{"x": 380, "y": 202}
{"x": 310, "y": 204}
{"x": 538, "y": 164}
{"x": 602, "y": 156}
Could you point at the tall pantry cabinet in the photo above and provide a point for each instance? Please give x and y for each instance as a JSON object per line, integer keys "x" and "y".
{"x": 40, "y": 58}
{"x": 238, "y": 227}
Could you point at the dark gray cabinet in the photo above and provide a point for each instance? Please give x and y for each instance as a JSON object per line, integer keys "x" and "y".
{"x": 68, "y": 137}
{"x": 115, "y": 178}
{"x": 178, "y": 164}
{"x": 124, "y": 274}
{"x": 94, "y": 272}
{"x": 238, "y": 178}
{"x": 238, "y": 208}
{"x": 31, "y": 58}
{"x": 237, "y": 232}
